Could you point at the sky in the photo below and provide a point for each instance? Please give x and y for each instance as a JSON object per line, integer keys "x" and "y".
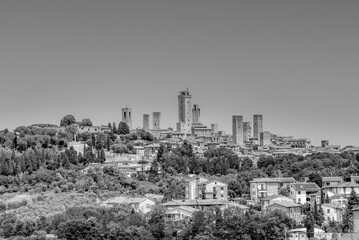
{"x": 295, "y": 62}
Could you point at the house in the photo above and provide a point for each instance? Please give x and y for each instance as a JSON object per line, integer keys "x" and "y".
{"x": 343, "y": 188}
{"x": 202, "y": 204}
{"x": 332, "y": 212}
{"x": 265, "y": 202}
{"x": 292, "y": 210}
{"x": 138, "y": 204}
{"x": 213, "y": 190}
{"x": 299, "y": 191}
{"x": 179, "y": 213}
{"x": 339, "y": 200}
{"x": 329, "y": 181}
{"x": 301, "y": 234}
{"x": 191, "y": 187}
{"x": 264, "y": 187}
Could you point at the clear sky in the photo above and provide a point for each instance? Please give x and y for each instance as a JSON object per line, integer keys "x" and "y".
{"x": 295, "y": 62}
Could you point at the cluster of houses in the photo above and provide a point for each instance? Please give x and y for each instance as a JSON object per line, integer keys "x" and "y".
{"x": 200, "y": 194}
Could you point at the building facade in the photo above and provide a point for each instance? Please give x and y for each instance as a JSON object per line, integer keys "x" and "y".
{"x": 237, "y": 129}
{"x": 156, "y": 120}
{"x": 196, "y": 114}
{"x": 247, "y": 131}
{"x": 257, "y": 125}
{"x": 264, "y": 187}
{"x": 265, "y": 138}
{"x": 127, "y": 116}
{"x": 146, "y": 122}
{"x": 184, "y": 112}
{"x": 214, "y": 127}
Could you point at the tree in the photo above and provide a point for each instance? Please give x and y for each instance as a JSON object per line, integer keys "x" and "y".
{"x": 79, "y": 229}
{"x": 86, "y": 122}
{"x": 71, "y": 131}
{"x": 157, "y": 222}
{"x": 316, "y": 177}
{"x": 68, "y": 120}
{"x": 309, "y": 224}
{"x": 123, "y": 128}
{"x": 114, "y": 129}
{"x": 285, "y": 191}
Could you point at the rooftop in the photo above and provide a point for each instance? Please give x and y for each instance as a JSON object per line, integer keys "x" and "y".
{"x": 306, "y": 186}
{"x": 331, "y": 179}
{"x": 286, "y": 204}
{"x": 202, "y": 202}
{"x": 279, "y": 180}
{"x": 272, "y": 197}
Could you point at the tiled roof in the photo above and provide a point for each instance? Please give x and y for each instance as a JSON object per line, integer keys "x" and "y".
{"x": 331, "y": 205}
{"x": 279, "y": 180}
{"x": 344, "y": 184}
{"x": 190, "y": 209}
{"x": 331, "y": 179}
{"x": 210, "y": 181}
{"x": 306, "y": 186}
{"x": 202, "y": 202}
{"x": 272, "y": 197}
{"x": 286, "y": 204}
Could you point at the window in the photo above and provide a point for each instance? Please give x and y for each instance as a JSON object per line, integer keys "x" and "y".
{"x": 299, "y": 200}
{"x": 222, "y": 188}
{"x": 124, "y": 114}
{"x": 214, "y": 189}
{"x": 222, "y": 195}
{"x": 299, "y": 193}
{"x": 328, "y": 210}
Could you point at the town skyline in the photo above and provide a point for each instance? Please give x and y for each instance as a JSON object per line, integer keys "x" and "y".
{"x": 293, "y": 62}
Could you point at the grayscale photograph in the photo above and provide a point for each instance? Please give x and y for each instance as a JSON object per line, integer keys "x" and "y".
{"x": 179, "y": 120}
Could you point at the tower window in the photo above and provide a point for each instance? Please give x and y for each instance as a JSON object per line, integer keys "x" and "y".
{"x": 124, "y": 114}
{"x": 129, "y": 114}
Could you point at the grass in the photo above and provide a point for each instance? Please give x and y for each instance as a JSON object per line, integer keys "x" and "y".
{"x": 46, "y": 204}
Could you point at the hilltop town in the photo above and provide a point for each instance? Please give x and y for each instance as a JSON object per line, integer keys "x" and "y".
{"x": 193, "y": 182}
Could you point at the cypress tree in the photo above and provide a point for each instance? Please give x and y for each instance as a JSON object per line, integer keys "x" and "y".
{"x": 114, "y": 129}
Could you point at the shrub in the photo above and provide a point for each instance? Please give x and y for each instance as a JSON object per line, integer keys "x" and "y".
{"x": 2, "y": 207}
{"x": 17, "y": 204}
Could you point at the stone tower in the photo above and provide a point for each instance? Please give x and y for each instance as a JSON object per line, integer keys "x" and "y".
{"x": 237, "y": 129}
{"x": 184, "y": 112}
{"x": 257, "y": 125}
{"x": 127, "y": 116}
{"x": 156, "y": 120}
{"x": 196, "y": 114}
{"x": 214, "y": 127}
{"x": 146, "y": 122}
{"x": 246, "y": 131}
{"x": 265, "y": 138}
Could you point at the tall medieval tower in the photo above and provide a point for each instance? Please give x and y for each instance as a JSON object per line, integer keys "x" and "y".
{"x": 246, "y": 131}
{"x": 237, "y": 129}
{"x": 156, "y": 120}
{"x": 184, "y": 112}
{"x": 196, "y": 114}
{"x": 257, "y": 125}
{"x": 127, "y": 116}
{"x": 146, "y": 122}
